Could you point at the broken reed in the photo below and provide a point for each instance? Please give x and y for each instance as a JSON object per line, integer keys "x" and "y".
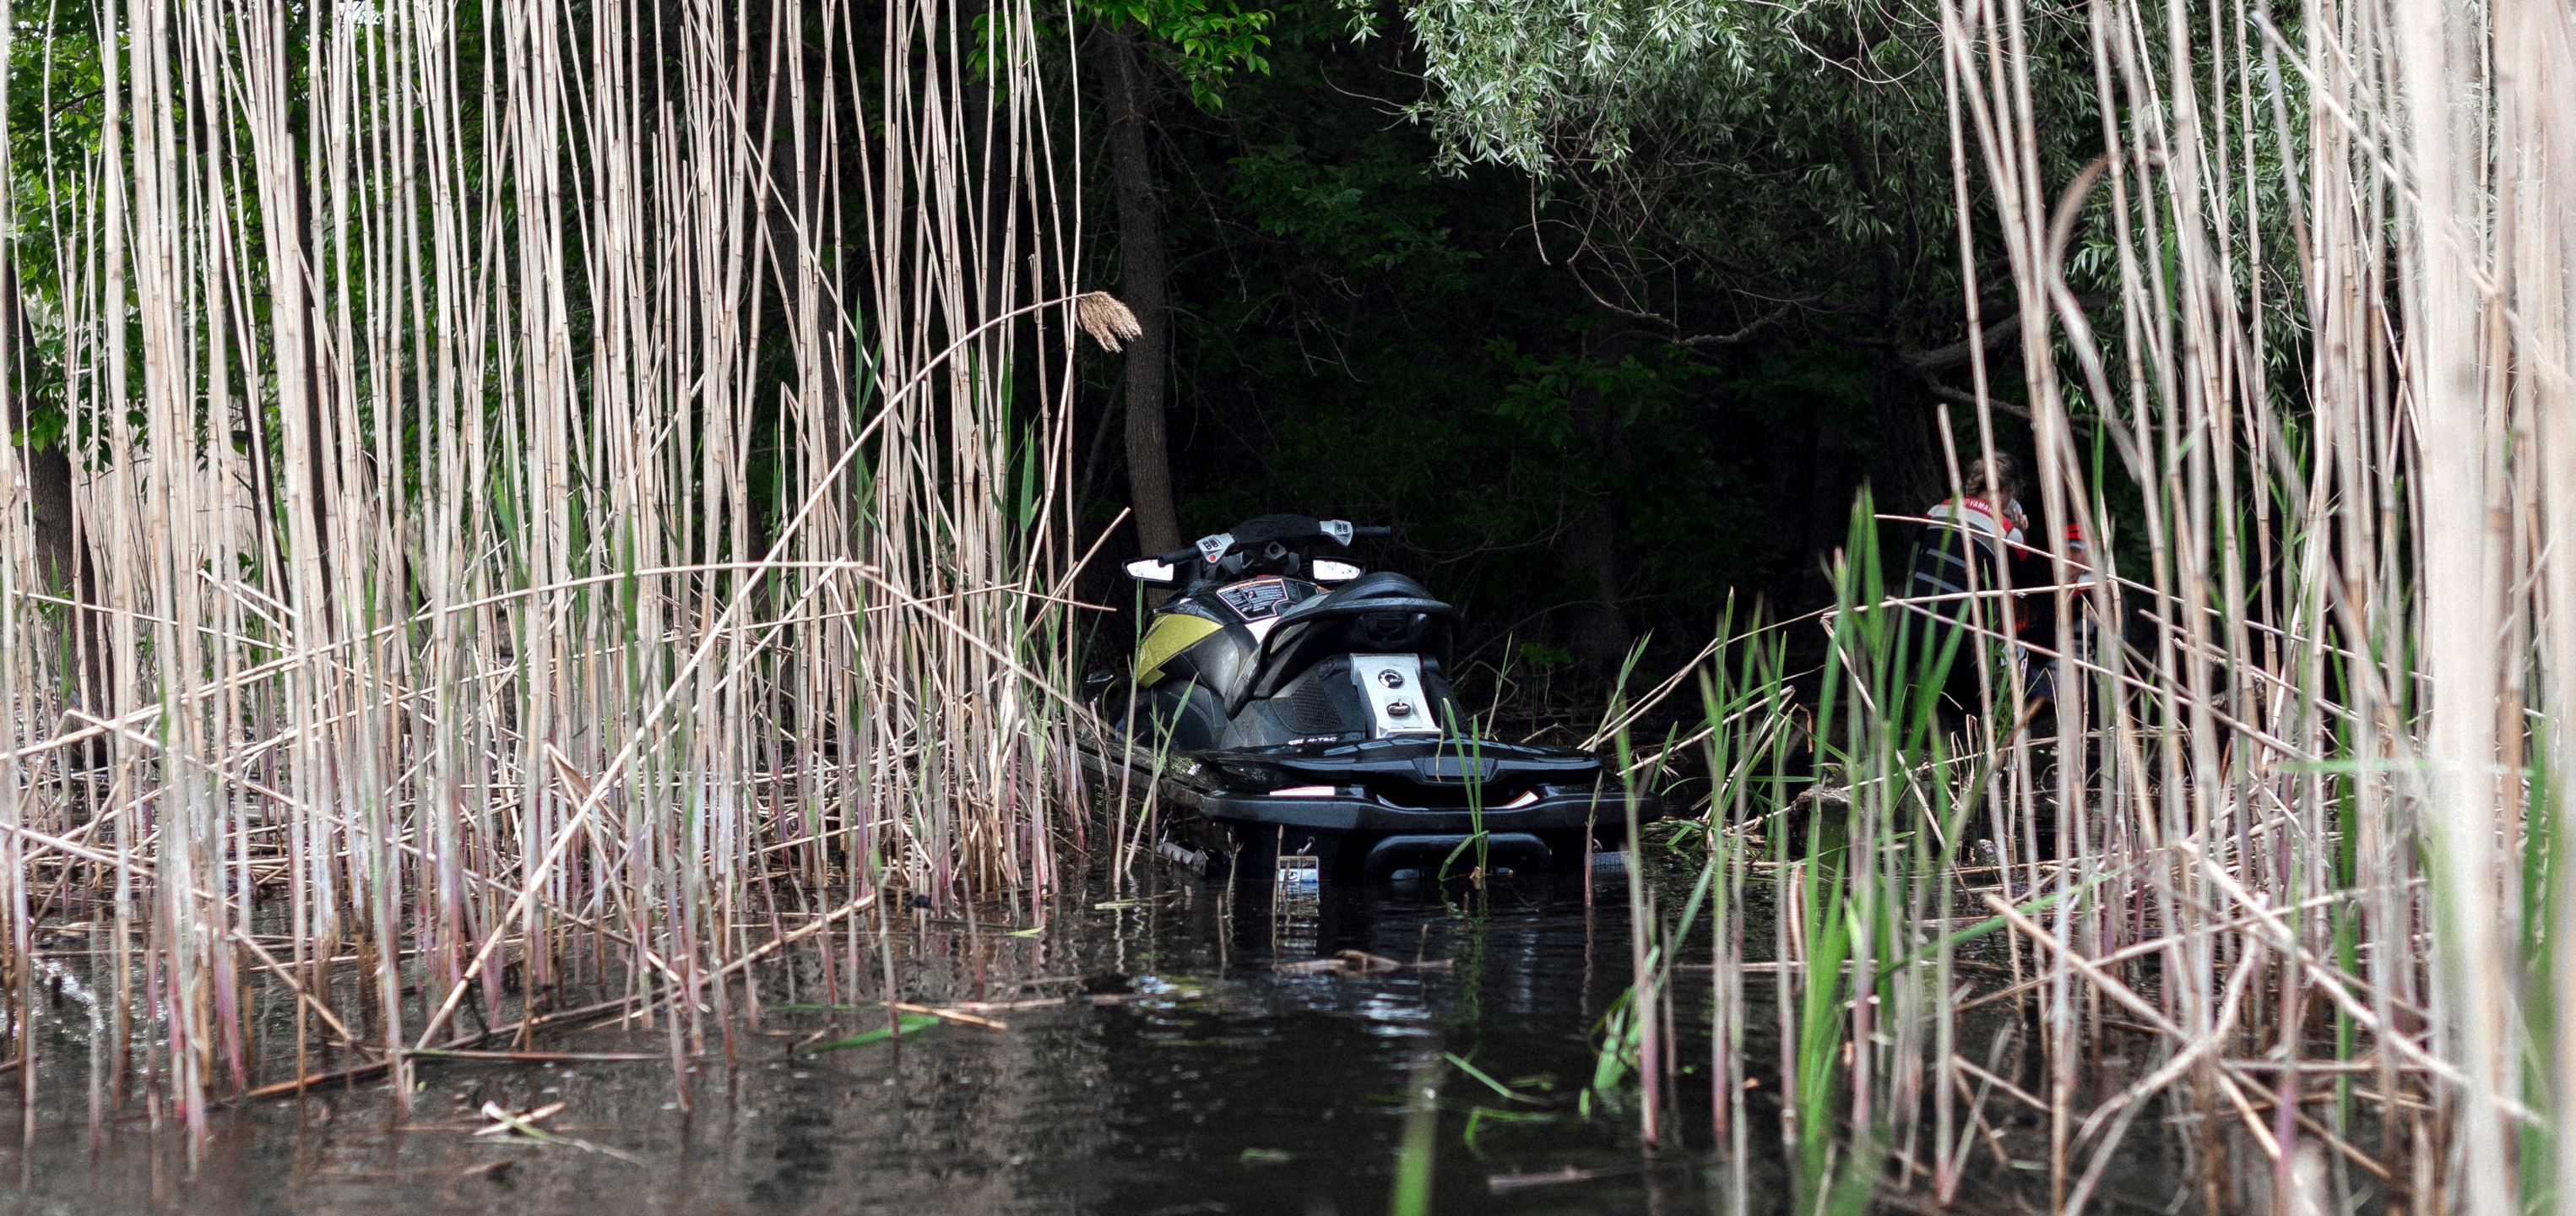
{"x": 541, "y": 473}
{"x": 2293, "y": 848}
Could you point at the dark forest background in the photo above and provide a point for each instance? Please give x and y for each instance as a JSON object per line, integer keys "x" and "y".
{"x": 1594, "y": 404}
{"x": 1599, "y": 398}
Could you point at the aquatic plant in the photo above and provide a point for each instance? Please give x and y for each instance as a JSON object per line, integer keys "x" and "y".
{"x": 2279, "y": 868}
{"x": 455, "y": 567}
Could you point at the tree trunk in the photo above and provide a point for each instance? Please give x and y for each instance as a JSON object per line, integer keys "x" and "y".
{"x": 49, "y": 482}
{"x": 1598, "y": 634}
{"x": 1597, "y": 630}
{"x": 1912, "y": 473}
{"x": 62, "y": 564}
{"x": 1141, "y": 285}
{"x": 49, "y": 470}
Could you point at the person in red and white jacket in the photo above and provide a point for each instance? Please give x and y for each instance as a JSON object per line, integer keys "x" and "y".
{"x": 1960, "y": 563}
{"x": 2050, "y": 671}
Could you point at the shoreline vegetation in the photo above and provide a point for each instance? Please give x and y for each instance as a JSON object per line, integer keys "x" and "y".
{"x": 2283, "y": 871}
{"x": 422, "y": 627}
{"x": 427, "y": 614}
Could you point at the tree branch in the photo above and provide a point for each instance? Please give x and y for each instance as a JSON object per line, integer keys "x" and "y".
{"x": 1763, "y": 322}
{"x": 1943, "y": 358}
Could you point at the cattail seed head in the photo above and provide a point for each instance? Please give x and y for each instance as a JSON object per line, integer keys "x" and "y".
{"x": 1109, "y": 322}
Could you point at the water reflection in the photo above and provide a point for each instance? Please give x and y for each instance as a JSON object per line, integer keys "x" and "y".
{"x": 1227, "y": 1067}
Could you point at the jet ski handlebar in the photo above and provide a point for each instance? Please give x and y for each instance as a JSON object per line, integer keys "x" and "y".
{"x": 1251, "y": 535}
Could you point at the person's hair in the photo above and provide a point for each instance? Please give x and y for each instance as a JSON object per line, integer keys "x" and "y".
{"x": 2006, "y": 479}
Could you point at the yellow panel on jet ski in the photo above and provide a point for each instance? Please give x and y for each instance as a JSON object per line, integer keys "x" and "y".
{"x": 1172, "y": 633}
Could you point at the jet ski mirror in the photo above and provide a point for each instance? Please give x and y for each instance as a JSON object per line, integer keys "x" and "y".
{"x": 1326, "y": 570}
{"x": 1152, "y": 570}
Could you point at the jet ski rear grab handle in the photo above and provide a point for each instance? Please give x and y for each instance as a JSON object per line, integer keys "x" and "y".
{"x": 1315, "y": 610}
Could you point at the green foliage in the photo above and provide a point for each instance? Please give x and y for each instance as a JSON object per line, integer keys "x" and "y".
{"x": 1540, "y": 395}
{"x": 55, "y": 82}
{"x": 1369, "y": 210}
{"x": 1790, "y": 152}
{"x": 1508, "y": 72}
{"x": 1813, "y": 384}
{"x": 1361, "y": 335}
{"x": 1543, "y": 656}
{"x": 1209, "y": 40}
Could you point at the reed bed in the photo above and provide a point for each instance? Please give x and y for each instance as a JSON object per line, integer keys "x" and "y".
{"x": 2270, "y": 906}
{"x": 559, "y": 487}
{"x": 542, "y": 478}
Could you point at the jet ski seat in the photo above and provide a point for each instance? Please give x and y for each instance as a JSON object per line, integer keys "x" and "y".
{"x": 1379, "y": 613}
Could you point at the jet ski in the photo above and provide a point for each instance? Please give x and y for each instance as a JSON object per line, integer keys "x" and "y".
{"x": 1298, "y": 709}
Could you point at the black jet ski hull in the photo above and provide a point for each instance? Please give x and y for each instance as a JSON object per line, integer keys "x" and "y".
{"x": 1548, "y": 816}
{"x": 1381, "y": 807}
{"x": 1352, "y": 838}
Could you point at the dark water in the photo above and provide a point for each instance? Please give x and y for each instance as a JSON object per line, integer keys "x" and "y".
{"x": 1216, "y": 1082}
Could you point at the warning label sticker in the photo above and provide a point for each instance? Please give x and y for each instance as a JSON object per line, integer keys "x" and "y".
{"x": 1256, "y": 599}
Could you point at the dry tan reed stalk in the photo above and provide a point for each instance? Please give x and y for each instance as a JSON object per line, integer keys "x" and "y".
{"x": 2355, "y": 644}
{"x": 445, "y": 626}
{"x": 2302, "y": 797}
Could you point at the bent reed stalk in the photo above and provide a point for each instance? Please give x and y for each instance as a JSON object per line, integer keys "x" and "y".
{"x": 555, "y": 487}
{"x": 2286, "y": 872}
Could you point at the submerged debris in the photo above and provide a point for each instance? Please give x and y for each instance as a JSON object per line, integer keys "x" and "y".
{"x": 526, "y": 1127}
{"x": 909, "y": 1024}
{"x": 1361, "y": 962}
{"x": 507, "y": 1123}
